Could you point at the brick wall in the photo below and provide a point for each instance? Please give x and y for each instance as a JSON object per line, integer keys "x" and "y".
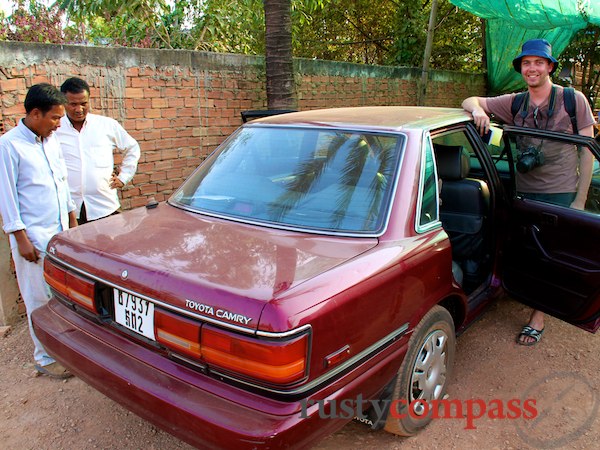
{"x": 180, "y": 105}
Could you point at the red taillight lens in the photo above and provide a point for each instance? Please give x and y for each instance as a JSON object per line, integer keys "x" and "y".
{"x": 81, "y": 291}
{"x": 177, "y": 333}
{"x": 76, "y": 288}
{"x": 271, "y": 361}
{"x": 55, "y": 276}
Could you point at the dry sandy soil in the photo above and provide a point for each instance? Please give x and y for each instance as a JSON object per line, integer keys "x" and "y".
{"x": 560, "y": 374}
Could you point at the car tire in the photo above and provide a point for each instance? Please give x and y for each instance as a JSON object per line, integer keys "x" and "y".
{"x": 424, "y": 373}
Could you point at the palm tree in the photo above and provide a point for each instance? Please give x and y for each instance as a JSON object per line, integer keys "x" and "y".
{"x": 278, "y": 52}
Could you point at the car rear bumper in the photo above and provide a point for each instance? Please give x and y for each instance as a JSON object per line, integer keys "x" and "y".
{"x": 196, "y": 408}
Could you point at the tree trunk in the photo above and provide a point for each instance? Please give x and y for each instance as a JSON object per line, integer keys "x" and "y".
{"x": 422, "y": 93}
{"x": 279, "y": 64}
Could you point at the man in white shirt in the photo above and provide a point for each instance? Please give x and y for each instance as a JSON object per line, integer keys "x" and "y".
{"x": 88, "y": 142}
{"x": 35, "y": 201}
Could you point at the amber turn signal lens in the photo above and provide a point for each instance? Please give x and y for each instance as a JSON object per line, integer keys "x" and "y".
{"x": 280, "y": 362}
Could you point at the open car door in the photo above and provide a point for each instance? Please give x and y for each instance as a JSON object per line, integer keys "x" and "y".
{"x": 551, "y": 259}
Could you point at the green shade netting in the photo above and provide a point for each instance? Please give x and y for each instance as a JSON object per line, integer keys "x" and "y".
{"x": 511, "y": 23}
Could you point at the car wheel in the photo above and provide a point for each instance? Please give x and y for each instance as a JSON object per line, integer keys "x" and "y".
{"x": 424, "y": 373}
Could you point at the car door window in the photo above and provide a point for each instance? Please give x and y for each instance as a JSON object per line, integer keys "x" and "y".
{"x": 548, "y": 169}
{"x": 551, "y": 261}
{"x": 429, "y": 192}
{"x": 466, "y": 207}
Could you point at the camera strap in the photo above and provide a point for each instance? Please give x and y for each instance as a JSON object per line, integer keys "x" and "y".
{"x": 524, "y": 110}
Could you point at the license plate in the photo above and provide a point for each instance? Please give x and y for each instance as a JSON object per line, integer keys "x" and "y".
{"x": 134, "y": 313}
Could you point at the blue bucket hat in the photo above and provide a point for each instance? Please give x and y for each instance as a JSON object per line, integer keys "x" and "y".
{"x": 536, "y": 47}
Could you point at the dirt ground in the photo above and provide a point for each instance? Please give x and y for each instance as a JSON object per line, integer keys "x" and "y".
{"x": 560, "y": 374}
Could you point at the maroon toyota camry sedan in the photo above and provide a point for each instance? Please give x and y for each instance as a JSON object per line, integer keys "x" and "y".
{"x": 315, "y": 269}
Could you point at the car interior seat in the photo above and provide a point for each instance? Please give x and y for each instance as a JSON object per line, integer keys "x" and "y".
{"x": 464, "y": 210}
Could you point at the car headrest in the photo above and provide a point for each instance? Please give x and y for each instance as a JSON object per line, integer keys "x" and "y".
{"x": 453, "y": 161}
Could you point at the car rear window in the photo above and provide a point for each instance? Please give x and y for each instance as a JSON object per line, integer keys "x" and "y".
{"x": 315, "y": 179}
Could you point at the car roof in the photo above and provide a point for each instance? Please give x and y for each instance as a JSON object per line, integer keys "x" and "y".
{"x": 390, "y": 118}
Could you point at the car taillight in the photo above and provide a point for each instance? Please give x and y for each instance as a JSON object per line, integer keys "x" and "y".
{"x": 280, "y": 362}
{"x": 177, "y": 333}
{"x": 70, "y": 285}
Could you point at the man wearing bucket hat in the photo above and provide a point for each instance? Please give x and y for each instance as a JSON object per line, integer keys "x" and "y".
{"x": 543, "y": 106}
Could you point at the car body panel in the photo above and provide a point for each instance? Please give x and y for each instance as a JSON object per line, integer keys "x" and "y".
{"x": 196, "y": 407}
{"x": 551, "y": 258}
{"x": 355, "y": 298}
{"x": 170, "y": 254}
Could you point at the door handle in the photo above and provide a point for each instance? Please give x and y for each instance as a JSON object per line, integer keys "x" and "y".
{"x": 549, "y": 219}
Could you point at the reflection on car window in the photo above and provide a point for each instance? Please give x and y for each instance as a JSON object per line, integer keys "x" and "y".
{"x": 548, "y": 170}
{"x": 311, "y": 178}
{"x": 429, "y": 202}
{"x": 593, "y": 199}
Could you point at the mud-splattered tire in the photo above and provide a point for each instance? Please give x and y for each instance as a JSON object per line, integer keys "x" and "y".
{"x": 424, "y": 373}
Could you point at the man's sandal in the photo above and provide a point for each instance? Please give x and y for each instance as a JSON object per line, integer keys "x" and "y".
{"x": 528, "y": 331}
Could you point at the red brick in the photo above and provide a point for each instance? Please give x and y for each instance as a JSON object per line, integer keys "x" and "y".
{"x": 139, "y": 82}
{"x": 159, "y": 175}
{"x": 164, "y": 164}
{"x": 152, "y": 113}
{"x": 13, "y": 84}
{"x": 151, "y": 93}
{"x": 131, "y": 192}
{"x": 138, "y": 135}
{"x": 148, "y": 189}
{"x": 186, "y": 112}
{"x": 159, "y": 103}
{"x": 173, "y": 92}
{"x": 174, "y": 173}
{"x": 168, "y": 133}
{"x": 168, "y": 113}
{"x": 163, "y": 123}
{"x": 175, "y": 102}
{"x": 157, "y": 82}
{"x": 150, "y": 135}
{"x": 152, "y": 156}
{"x": 138, "y": 201}
{"x": 141, "y": 178}
{"x": 134, "y": 92}
{"x": 14, "y": 110}
{"x": 142, "y": 103}
{"x": 144, "y": 124}
{"x": 136, "y": 113}
{"x": 172, "y": 153}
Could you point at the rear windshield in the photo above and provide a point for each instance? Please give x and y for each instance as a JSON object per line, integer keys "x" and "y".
{"x": 315, "y": 179}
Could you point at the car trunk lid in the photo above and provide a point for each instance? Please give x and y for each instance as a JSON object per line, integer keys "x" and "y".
{"x": 219, "y": 269}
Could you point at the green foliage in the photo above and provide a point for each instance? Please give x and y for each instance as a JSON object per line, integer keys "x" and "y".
{"x": 234, "y": 26}
{"x": 32, "y": 21}
{"x": 410, "y": 33}
{"x": 354, "y": 31}
{"x": 458, "y": 40}
{"x": 136, "y": 23}
{"x": 584, "y": 53}
{"x": 385, "y": 32}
